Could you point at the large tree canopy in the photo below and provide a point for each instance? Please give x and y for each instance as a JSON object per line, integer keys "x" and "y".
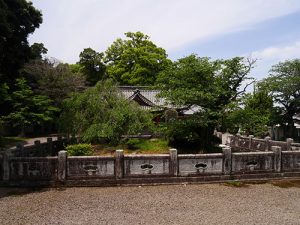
{"x": 92, "y": 65}
{"x": 135, "y": 60}
{"x": 18, "y": 19}
{"x": 209, "y": 85}
{"x": 283, "y": 83}
{"x": 252, "y": 115}
{"x": 199, "y": 81}
{"x": 28, "y": 108}
{"x": 54, "y": 81}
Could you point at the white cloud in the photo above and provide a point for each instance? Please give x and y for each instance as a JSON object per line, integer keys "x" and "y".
{"x": 279, "y": 53}
{"x": 272, "y": 55}
{"x": 70, "y": 26}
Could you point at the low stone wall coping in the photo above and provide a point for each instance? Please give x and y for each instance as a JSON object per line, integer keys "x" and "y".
{"x": 195, "y": 156}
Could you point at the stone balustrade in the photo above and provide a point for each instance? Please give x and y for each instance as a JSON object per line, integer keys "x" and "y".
{"x": 123, "y": 169}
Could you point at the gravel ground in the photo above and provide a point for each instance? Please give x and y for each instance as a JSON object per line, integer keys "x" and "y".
{"x": 169, "y": 204}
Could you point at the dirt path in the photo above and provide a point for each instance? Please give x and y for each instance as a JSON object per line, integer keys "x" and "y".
{"x": 30, "y": 141}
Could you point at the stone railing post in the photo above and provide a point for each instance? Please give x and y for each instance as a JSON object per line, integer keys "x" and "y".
{"x": 289, "y": 142}
{"x": 250, "y": 141}
{"x": 119, "y": 164}
{"x": 50, "y": 145}
{"x": 267, "y": 143}
{"x": 38, "y": 147}
{"x": 229, "y": 139}
{"x": 237, "y": 140}
{"x": 277, "y": 158}
{"x": 226, "y": 160}
{"x": 219, "y": 135}
{"x": 173, "y": 162}
{"x": 59, "y": 138}
{"x": 5, "y": 167}
{"x": 62, "y": 166}
{"x": 20, "y": 149}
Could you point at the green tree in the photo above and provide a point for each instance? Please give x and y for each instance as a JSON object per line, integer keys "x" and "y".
{"x": 92, "y": 65}
{"x": 101, "y": 112}
{"x": 37, "y": 51}
{"x": 253, "y": 115}
{"x": 54, "y": 81}
{"x": 28, "y": 108}
{"x": 283, "y": 83}
{"x": 208, "y": 85}
{"x": 4, "y": 95}
{"x": 135, "y": 60}
{"x": 18, "y": 19}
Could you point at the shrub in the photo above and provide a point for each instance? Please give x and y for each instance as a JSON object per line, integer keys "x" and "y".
{"x": 133, "y": 144}
{"x": 79, "y": 150}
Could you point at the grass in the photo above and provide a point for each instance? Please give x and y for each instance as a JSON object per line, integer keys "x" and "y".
{"x": 235, "y": 183}
{"x": 151, "y": 146}
{"x": 140, "y": 146}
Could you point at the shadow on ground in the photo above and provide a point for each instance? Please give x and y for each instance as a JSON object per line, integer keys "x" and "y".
{"x": 6, "y": 191}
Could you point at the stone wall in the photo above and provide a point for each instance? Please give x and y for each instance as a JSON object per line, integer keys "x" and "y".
{"x": 79, "y": 167}
{"x": 32, "y": 168}
{"x": 149, "y": 169}
{"x": 240, "y": 143}
{"x": 41, "y": 149}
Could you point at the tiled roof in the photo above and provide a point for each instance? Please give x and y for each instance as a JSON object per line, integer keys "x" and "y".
{"x": 150, "y": 99}
{"x": 149, "y": 95}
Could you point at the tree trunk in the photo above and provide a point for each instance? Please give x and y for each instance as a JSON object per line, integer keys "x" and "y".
{"x": 22, "y": 131}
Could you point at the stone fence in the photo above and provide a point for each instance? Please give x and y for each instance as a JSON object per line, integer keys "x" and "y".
{"x": 240, "y": 143}
{"x": 120, "y": 169}
{"x": 41, "y": 149}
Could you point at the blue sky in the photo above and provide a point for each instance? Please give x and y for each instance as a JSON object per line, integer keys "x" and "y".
{"x": 264, "y": 29}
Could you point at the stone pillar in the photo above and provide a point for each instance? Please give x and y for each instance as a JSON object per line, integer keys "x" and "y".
{"x": 237, "y": 140}
{"x": 267, "y": 143}
{"x": 5, "y": 165}
{"x": 50, "y": 145}
{"x": 250, "y": 141}
{"x": 38, "y": 148}
{"x": 289, "y": 142}
{"x": 226, "y": 160}
{"x": 59, "y": 138}
{"x": 62, "y": 166}
{"x": 229, "y": 138}
{"x": 119, "y": 164}
{"x": 173, "y": 162}
{"x": 20, "y": 149}
{"x": 277, "y": 158}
